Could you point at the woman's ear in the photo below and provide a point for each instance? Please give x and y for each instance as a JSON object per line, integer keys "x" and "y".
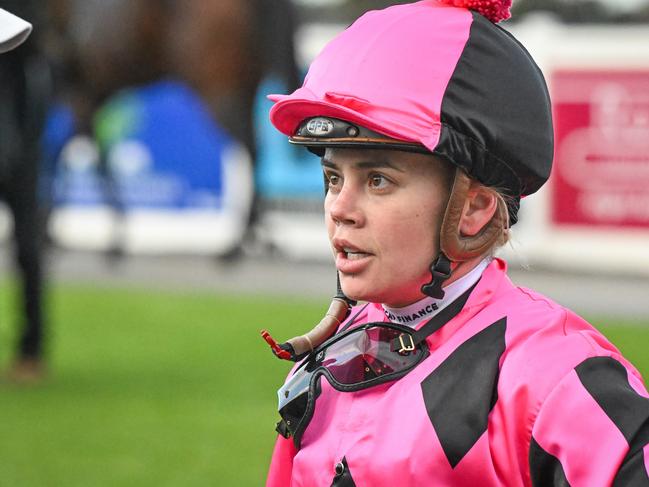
{"x": 479, "y": 208}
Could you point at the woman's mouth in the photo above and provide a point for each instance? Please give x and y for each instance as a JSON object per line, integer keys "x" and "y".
{"x": 354, "y": 255}
{"x": 351, "y": 260}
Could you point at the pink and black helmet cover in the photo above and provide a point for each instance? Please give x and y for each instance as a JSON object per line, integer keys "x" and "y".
{"x": 496, "y": 114}
{"x": 443, "y": 77}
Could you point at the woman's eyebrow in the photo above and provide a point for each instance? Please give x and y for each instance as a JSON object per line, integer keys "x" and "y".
{"x": 328, "y": 163}
{"x": 375, "y": 164}
{"x": 378, "y": 164}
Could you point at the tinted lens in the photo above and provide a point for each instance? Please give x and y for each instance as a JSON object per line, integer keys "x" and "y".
{"x": 370, "y": 352}
{"x": 366, "y": 354}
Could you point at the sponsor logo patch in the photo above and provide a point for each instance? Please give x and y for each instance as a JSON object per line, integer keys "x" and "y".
{"x": 409, "y": 318}
{"x": 319, "y": 127}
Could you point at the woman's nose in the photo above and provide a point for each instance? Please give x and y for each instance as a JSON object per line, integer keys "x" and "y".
{"x": 345, "y": 206}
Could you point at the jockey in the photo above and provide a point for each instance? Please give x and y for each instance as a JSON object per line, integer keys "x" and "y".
{"x": 433, "y": 123}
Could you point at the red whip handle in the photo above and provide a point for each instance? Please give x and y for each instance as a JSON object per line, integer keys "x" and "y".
{"x": 279, "y": 352}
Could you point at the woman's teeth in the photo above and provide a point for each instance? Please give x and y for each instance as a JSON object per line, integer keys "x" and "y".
{"x": 351, "y": 255}
{"x": 355, "y": 255}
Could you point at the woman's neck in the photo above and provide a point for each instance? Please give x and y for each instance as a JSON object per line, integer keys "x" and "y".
{"x": 427, "y": 307}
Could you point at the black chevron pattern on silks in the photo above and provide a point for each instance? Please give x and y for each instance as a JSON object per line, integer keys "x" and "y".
{"x": 344, "y": 478}
{"x": 633, "y": 472}
{"x": 606, "y": 380}
{"x": 545, "y": 469}
{"x": 462, "y": 390}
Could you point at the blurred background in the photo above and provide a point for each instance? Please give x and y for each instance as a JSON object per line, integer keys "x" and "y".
{"x": 152, "y": 222}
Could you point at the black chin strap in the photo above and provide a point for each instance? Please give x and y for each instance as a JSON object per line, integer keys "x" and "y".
{"x": 440, "y": 271}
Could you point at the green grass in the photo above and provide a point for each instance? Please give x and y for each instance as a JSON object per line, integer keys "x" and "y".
{"x": 148, "y": 389}
{"x": 160, "y": 389}
{"x": 631, "y": 338}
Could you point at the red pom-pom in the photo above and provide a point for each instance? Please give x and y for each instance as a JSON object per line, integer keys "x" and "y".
{"x": 494, "y": 10}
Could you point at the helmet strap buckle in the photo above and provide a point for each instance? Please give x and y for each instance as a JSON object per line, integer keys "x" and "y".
{"x": 440, "y": 271}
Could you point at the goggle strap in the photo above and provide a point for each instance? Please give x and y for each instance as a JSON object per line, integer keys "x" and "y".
{"x": 282, "y": 429}
{"x": 403, "y": 344}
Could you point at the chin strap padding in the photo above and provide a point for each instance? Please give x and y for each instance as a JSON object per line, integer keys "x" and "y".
{"x": 458, "y": 247}
{"x": 297, "y": 348}
{"x": 455, "y": 247}
{"x": 336, "y": 314}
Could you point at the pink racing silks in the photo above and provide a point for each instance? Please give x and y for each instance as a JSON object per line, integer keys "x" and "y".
{"x": 517, "y": 391}
{"x": 282, "y": 465}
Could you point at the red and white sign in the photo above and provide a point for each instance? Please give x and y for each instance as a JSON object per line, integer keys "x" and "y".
{"x": 601, "y": 166}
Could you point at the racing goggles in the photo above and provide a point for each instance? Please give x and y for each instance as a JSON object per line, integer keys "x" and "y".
{"x": 353, "y": 360}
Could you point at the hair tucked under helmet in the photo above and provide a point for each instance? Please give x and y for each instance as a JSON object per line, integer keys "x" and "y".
{"x": 440, "y": 77}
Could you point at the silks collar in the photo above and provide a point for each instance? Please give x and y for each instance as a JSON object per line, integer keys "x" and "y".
{"x": 428, "y": 307}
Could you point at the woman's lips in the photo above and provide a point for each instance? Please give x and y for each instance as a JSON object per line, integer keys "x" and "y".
{"x": 350, "y": 259}
{"x": 352, "y": 262}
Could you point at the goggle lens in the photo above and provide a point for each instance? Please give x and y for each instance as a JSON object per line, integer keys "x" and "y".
{"x": 359, "y": 358}
{"x": 366, "y": 355}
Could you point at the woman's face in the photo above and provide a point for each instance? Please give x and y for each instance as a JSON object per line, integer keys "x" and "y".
{"x": 383, "y": 211}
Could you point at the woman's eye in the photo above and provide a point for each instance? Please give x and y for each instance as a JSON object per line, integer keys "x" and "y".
{"x": 333, "y": 180}
{"x": 378, "y": 181}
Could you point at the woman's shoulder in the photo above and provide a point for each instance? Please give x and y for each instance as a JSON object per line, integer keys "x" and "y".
{"x": 544, "y": 328}
{"x": 545, "y": 341}
{"x": 551, "y": 348}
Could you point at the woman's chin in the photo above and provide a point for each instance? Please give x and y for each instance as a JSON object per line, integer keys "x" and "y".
{"x": 356, "y": 292}
{"x": 359, "y": 291}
